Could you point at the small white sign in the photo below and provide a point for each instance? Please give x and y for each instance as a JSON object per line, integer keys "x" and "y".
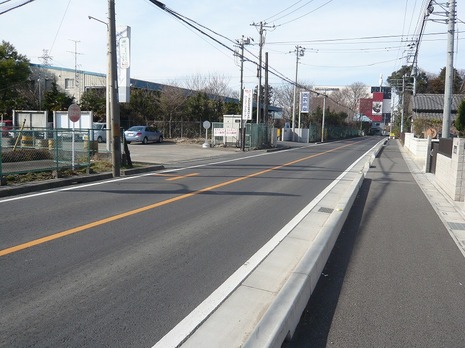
{"x": 221, "y": 132}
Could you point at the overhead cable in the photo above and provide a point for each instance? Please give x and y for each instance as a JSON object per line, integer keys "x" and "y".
{"x": 14, "y": 7}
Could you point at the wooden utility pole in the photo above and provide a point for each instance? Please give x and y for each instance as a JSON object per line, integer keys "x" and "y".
{"x": 114, "y": 101}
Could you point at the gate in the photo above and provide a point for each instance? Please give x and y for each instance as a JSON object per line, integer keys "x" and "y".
{"x": 433, "y": 157}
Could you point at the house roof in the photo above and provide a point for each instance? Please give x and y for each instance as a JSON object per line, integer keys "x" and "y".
{"x": 431, "y": 106}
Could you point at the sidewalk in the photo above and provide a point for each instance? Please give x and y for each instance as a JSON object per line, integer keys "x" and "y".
{"x": 396, "y": 276}
{"x": 451, "y": 213}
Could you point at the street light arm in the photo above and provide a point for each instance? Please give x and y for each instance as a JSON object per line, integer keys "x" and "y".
{"x": 98, "y": 20}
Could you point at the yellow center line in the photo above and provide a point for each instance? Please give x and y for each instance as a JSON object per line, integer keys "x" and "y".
{"x": 81, "y": 228}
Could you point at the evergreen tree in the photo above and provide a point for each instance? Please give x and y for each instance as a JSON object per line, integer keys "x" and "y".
{"x": 14, "y": 74}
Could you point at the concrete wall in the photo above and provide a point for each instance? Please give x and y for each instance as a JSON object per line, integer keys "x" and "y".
{"x": 450, "y": 174}
{"x": 419, "y": 150}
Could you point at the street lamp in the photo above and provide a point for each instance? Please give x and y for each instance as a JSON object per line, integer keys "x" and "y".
{"x": 107, "y": 88}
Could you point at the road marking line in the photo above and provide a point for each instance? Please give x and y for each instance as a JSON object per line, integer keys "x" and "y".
{"x": 77, "y": 229}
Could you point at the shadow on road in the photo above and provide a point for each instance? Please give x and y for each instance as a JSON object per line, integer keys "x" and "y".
{"x": 316, "y": 320}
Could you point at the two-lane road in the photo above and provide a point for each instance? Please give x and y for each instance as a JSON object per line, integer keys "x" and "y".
{"x": 121, "y": 262}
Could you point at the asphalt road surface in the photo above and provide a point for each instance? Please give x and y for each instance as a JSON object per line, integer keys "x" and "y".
{"x": 119, "y": 263}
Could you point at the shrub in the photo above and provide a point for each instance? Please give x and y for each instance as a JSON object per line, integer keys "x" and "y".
{"x": 22, "y": 155}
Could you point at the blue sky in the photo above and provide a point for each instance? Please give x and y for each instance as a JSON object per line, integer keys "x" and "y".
{"x": 345, "y": 41}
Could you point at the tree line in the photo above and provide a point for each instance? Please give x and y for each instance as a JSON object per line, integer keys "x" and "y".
{"x": 424, "y": 82}
{"x": 181, "y": 109}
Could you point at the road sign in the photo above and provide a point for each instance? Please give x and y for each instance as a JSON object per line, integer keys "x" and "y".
{"x": 74, "y": 112}
{"x": 206, "y": 124}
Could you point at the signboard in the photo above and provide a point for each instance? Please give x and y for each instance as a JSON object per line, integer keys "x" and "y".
{"x": 247, "y": 104}
{"x": 61, "y": 120}
{"x": 377, "y": 108}
{"x": 123, "y": 35}
{"x": 221, "y": 132}
{"x": 74, "y": 112}
{"x": 304, "y": 102}
{"x": 124, "y": 53}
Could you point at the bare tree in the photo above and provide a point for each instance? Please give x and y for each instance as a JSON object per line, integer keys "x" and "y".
{"x": 212, "y": 84}
{"x": 348, "y": 98}
{"x": 282, "y": 97}
{"x": 172, "y": 102}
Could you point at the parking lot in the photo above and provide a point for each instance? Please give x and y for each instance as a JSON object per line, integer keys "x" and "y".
{"x": 172, "y": 152}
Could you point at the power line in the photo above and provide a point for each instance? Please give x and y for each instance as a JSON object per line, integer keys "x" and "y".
{"x": 15, "y": 7}
{"x": 59, "y": 27}
{"x": 287, "y": 8}
{"x": 306, "y": 14}
{"x": 187, "y": 21}
{"x": 295, "y": 10}
{"x": 271, "y": 70}
{"x": 347, "y": 39}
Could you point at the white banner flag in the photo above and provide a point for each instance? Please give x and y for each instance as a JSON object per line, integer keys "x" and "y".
{"x": 247, "y": 104}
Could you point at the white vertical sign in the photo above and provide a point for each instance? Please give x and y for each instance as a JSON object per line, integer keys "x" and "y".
{"x": 247, "y": 104}
{"x": 123, "y": 36}
{"x": 305, "y": 102}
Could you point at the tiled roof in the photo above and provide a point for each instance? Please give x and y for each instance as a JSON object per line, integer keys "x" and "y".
{"x": 434, "y": 102}
{"x": 431, "y": 106}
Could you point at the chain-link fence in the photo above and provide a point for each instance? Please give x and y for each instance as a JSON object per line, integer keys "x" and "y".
{"x": 256, "y": 135}
{"x": 35, "y": 150}
{"x": 340, "y": 132}
{"x": 179, "y": 129}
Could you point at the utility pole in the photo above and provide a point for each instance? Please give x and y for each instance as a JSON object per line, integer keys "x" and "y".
{"x": 244, "y": 41}
{"x": 446, "y": 120}
{"x": 262, "y": 26}
{"x": 114, "y": 102}
{"x": 259, "y": 89}
{"x": 266, "y": 97}
{"x": 323, "y": 119}
{"x": 299, "y": 52}
{"x": 403, "y": 105}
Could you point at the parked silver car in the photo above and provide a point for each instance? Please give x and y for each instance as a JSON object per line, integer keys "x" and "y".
{"x": 100, "y": 132}
{"x": 143, "y": 134}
